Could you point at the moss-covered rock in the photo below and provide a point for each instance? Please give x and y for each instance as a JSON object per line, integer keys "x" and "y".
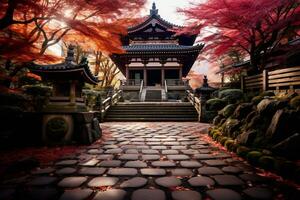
{"x": 289, "y": 147}
{"x": 223, "y": 140}
{"x": 247, "y": 137}
{"x": 232, "y": 95}
{"x": 215, "y": 104}
{"x": 242, "y": 151}
{"x": 267, "y": 162}
{"x": 230, "y": 126}
{"x": 295, "y": 102}
{"x": 284, "y": 124}
{"x": 257, "y": 99}
{"x": 228, "y": 110}
{"x": 243, "y": 110}
{"x": 267, "y": 94}
{"x": 268, "y": 107}
{"x": 229, "y": 143}
{"x": 253, "y": 157}
{"x": 217, "y": 120}
{"x": 285, "y": 167}
{"x": 216, "y": 135}
{"x": 250, "y": 116}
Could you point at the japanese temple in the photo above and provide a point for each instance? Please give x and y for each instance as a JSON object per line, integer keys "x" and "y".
{"x": 154, "y": 54}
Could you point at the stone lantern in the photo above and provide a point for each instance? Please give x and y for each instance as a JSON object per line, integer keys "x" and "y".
{"x": 204, "y": 92}
{"x": 65, "y": 118}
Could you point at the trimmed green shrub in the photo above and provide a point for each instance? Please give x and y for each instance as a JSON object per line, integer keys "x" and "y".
{"x": 37, "y": 90}
{"x": 295, "y": 102}
{"x": 267, "y": 162}
{"x": 39, "y": 95}
{"x": 12, "y": 99}
{"x": 253, "y": 157}
{"x": 215, "y": 104}
{"x": 256, "y": 100}
{"x": 242, "y": 151}
{"x": 232, "y": 95}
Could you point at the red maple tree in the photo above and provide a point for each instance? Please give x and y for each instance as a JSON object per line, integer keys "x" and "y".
{"x": 29, "y": 27}
{"x": 253, "y": 28}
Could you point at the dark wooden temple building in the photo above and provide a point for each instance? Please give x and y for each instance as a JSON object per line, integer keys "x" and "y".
{"x": 155, "y": 54}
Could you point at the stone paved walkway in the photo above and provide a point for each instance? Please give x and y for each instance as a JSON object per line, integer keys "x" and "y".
{"x": 146, "y": 161}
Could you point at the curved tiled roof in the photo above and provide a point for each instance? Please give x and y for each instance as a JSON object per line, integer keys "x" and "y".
{"x": 161, "y": 48}
{"x": 66, "y": 67}
{"x": 153, "y": 15}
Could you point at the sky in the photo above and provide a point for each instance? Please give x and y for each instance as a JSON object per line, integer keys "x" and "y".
{"x": 167, "y": 10}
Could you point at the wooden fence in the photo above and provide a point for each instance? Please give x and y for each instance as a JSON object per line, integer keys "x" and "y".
{"x": 281, "y": 79}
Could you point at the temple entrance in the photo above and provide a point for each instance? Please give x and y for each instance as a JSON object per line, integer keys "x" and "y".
{"x": 153, "y": 77}
{"x": 172, "y": 74}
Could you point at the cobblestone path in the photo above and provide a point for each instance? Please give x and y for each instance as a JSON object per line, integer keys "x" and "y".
{"x": 147, "y": 161}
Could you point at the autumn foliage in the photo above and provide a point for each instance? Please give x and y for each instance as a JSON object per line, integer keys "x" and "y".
{"x": 29, "y": 27}
{"x": 253, "y": 28}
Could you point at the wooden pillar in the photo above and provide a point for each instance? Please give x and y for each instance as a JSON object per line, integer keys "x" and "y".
{"x": 180, "y": 72}
{"x": 222, "y": 79}
{"x": 162, "y": 75}
{"x": 127, "y": 72}
{"x": 265, "y": 80}
{"x": 242, "y": 83}
{"x": 145, "y": 75}
{"x": 73, "y": 92}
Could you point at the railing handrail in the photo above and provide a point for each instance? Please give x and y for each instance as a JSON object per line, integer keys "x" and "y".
{"x": 166, "y": 86}
{"x": 141, "y": 88}
{"x": 175, "y": 82}
{"x": 195, "y": 101}
{"x": 132, "y": 82}
{"x": 108, "y": 102}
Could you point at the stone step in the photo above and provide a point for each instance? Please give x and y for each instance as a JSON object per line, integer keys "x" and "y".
{"x": 177, "y": 119}
{"x": 154, "y": 111}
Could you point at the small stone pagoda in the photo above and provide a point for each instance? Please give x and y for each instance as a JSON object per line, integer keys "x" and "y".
{"x": 65, "y": 118}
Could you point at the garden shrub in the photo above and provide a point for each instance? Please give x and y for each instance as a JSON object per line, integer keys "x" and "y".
{"x": 232, "y": 95}
{"x": 215, "y": 104}
{"x": 12, "y": 99}
{"x": 35, "y": 90}
{"x": 242, "y": 151}
{"x": 266, "y": 162}
{"x": 253, "y": 157}
{"x": 39, "y": 95}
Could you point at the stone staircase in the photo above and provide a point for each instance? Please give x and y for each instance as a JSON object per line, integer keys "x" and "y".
{"x": 152, "y": 111}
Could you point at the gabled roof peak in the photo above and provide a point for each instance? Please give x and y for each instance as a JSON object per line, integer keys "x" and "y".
{"x": 154, "y": 11}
